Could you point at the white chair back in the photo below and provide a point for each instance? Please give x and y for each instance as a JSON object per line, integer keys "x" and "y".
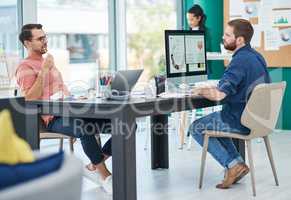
{"x": 263, "y": 107}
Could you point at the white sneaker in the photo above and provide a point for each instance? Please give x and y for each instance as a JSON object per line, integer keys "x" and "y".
{"x": 93, "y": 176}
{"x": 107, "y": 184}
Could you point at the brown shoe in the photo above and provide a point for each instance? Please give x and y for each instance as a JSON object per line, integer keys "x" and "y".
{"x": 241, "y": 176}
{"x": 245, "y": 172}
{"x": 233, "y": 175}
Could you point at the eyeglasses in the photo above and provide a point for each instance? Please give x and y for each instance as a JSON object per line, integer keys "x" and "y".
{"x": 41, "y": 39}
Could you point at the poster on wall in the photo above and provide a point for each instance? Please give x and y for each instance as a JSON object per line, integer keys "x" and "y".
{"x": 282, "y": 3}
{"x": 236, "y": 9}
{"x": 272, "y": 39}
{"x": 256, "y": 39}
{"x": 285, "y": 37}
{"x": 282, "y": 17}
{"x": 266, "y": 14}
{"x": 251, "y": 9}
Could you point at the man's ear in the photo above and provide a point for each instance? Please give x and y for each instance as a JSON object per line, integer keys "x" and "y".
{"x": 240, "y": 40}
{"x": 26, "y": 43}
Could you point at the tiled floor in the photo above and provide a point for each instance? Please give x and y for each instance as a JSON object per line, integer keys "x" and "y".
{"x": 180, "y": 181}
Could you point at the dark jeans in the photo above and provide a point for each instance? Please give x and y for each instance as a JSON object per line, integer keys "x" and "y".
{"x": 85, "y": 129}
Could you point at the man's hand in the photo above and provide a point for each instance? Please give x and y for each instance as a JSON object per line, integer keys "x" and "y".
{"x": 47, "y": 64}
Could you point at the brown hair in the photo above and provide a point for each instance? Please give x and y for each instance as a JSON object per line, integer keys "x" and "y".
{"x": 26, "y": 31}
{"x": 242, "y": 28}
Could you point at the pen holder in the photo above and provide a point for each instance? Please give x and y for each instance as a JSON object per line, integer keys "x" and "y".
{"x": 104, "y": 91}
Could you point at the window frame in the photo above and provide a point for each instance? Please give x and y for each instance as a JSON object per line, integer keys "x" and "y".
{"x": 27, "y": 10}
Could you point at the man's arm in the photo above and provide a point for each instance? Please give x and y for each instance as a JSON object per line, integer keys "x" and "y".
{"x": 211, "y": 93}
{"x": 36, "y": 90}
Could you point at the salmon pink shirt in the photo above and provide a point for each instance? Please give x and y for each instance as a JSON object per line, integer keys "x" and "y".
{"x": 26, "y": 75}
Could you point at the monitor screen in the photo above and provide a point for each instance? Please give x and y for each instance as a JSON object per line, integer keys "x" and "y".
{"x": 185, "y": 53}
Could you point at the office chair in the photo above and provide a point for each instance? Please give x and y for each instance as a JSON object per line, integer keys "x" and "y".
{"x": 61, "y": 137}
{"x": 260, "y": 116}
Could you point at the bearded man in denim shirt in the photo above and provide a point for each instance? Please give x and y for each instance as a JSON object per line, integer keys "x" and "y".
{"x": 246, "y": 69}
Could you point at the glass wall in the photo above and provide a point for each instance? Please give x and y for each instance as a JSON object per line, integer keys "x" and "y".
{"x": 9, "y": 45}
{"x": 9, "y": 26}
{"x": 77, "y": 35}
{"x": 146, "y": 22}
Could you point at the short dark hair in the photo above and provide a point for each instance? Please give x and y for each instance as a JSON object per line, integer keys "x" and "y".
{"x": 26, "y": 31}
{"x": 197, "y": 11}
{"x": 242, "y": 28}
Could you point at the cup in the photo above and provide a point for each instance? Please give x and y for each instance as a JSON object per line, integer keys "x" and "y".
{"x": 160, "y": 81}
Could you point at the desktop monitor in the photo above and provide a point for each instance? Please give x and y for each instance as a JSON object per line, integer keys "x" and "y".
{"x": 185, "y": 56}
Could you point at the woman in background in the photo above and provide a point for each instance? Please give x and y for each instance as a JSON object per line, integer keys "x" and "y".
{"x": 196, "y": 18}
{"x": 196, "y": 21}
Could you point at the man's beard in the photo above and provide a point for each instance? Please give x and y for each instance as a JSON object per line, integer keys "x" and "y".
{"x": 230, "y": 46}
{"x": 43, "y": 50}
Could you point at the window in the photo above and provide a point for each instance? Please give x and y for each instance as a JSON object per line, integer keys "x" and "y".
{"x": 9, "y": 27}
{"x": 9, "y": 45}
{"x": 77, "y": 35}
{"x": 146, "y": 22}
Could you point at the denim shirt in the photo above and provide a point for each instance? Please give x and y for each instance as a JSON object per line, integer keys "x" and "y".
{"x": 246, "y": 70}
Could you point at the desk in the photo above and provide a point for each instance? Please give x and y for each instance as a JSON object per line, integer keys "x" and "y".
{"x": 122, "y": 115}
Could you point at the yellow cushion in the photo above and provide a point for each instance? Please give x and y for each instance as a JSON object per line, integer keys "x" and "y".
{"x": 13, "y": 149}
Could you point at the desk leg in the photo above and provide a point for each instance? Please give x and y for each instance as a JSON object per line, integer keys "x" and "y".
{"x": 240, "y": 145}
{"x": 32, "y": 128}
{"x": 159, "y": 141}
{"x": 124, "y": 159}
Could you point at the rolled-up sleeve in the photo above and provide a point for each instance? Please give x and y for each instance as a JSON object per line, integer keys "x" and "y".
{"x": 231, "y": 78}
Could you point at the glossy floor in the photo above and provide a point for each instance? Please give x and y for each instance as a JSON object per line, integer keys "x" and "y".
{"x": 180, "y": 181}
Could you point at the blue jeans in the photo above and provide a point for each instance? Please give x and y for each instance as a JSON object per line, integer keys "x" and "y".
{"x": 222, "y": 149}
{"x": 85, "y": 129}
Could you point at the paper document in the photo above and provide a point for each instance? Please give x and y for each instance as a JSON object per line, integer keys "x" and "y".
{"x": 266, "y": 14}
{"x": 194, "y": 49}
{"x": 256, "y": 39}
{"x": 177, "y": 52}
{"x": 282, "y": 3}
{"x": 282, "y": 17}
{"x": 272, "y": 39}
{"x": 251, "y": 9}
{"x": 236, "y": 9}
{"x": 285, "y": 37}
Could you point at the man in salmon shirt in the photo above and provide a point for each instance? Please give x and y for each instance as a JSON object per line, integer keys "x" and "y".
{"x": 38, "y": 78}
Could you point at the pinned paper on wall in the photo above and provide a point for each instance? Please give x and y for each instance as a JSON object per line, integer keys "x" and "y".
{"x": 236, "y": 9}
{"x": 272, "y": 39}
{"x": 266, "y": 14}
{"x": 282, "y": 3}
{"x": 282, "y": 17}
{"x": 256, "y": 39}
{"x": 285, "y": 37}
{"x": 271, "y": 21}
{"x": 251, "y": 9}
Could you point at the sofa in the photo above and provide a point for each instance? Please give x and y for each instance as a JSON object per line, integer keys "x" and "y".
{"x": 65, "y": 183}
